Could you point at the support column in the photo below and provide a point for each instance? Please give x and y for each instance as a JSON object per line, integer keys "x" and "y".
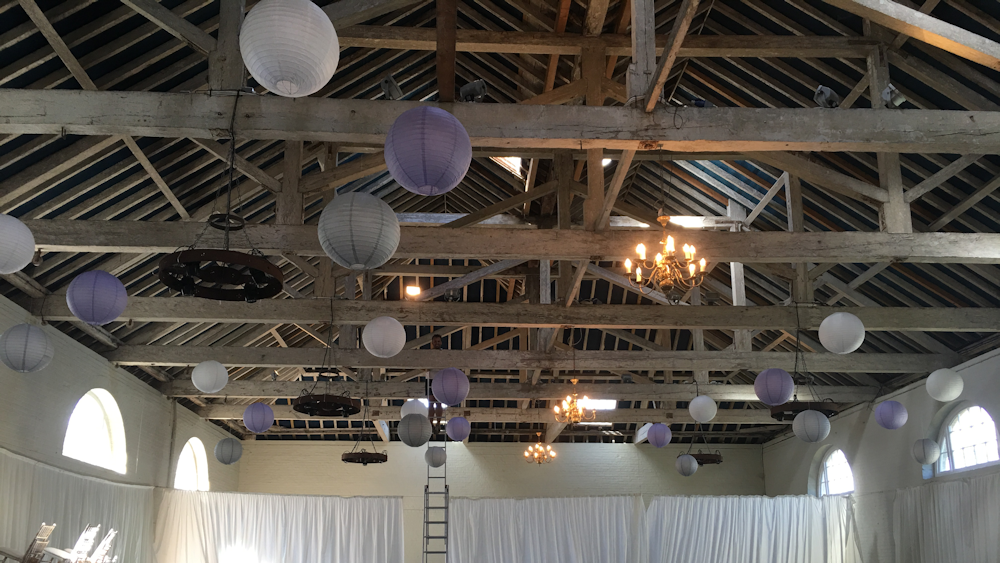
{"x": 593, "y": 72}
{"x": 741, "y": 338}
{"x": 802, "y": 288}
{"x": 640, "y": 71}
{"x": 225, "y": 65}
{"x": 289, "y": 205}
{"x": 698, "y": 338}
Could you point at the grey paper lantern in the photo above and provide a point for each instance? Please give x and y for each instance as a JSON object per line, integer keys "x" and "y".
{"x": 384, "y": 337}
{"x": 659, "y": 435}
{"x": 458, "y": 428}
{"x": 289, "y": 46}
{"x": 891, "y": 415}
{"x": 209, "y": 376}
{"x": 413, "y": 406}
{"x": 258, "y": 418}
{"x": 358, "y": 231}
{"x": 703, "y": 408}
{"x": 926, "y": 451}
{"x": 17, "y": 245}
{"x": 774, "y": 387}
{"x": 811, "y": 426}
{"x": 841, "y": 333}
{"x": 26, "y": 348}
{"x": 944, "y": 385}
{"x": 228, "y": 451}
{"x": 435, "y": 456}
{"x": 450, "y": 386}
{"x": 96, "y": 297}
{"x": 427, "y": 150}
{"x": 414, "y": 430}
{"x": 686, "y": 465}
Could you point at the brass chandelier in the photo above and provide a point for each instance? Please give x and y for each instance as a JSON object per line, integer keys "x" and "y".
{"x": 667, "y": 269}
{"x": 539, "y": 453}
{"x": 571, "y": 411}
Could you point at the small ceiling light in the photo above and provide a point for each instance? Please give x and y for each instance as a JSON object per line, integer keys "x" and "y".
{"x": 892, "y": 96}
{"x": 826, "y": 97}
{"x": 688, "y": 221}
{"x": 413, "y": 290}
{"x": 605, "y": 162}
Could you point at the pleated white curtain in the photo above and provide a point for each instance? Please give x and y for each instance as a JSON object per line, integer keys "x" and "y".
{"x": 950, "y": 521}
{"x": 200, "y": 527}
{"x": 547, "y": 530}
{"x": 32, "y": 493}
{"x": 799, "y": 529}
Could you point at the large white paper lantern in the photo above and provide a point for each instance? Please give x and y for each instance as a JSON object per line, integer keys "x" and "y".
{"x": 774, "y": 387}
{"x": 841, "y": 333}
{"x": 228, "y": 451}
{"x": 926, "y": 451}
{"x": 811, "y": 426}
{"x": 17, "y": 245}
{"x": 427, "y": 150}
{"x": 413, "y": 406}
{"x": 26, "y": 348}
{"x": 944, "y": 385}
{"x": 891, "y": 415}
{"x": 96, "y": 297}
{"x": 358, "y": 231}
{"x": 686, "y": 465}
{"x": 703, "y": 408}
{"x": 450, "y": 386}
{"x": 435, "y": 456}
{"x": 289, "y": 46}
{"x": 384, "y": 337}
{"x": 414, "y": 430}
{"x": 209, "y": 376}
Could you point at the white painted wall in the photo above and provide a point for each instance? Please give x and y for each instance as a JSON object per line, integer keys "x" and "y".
{"x": 492, "y": 470}
{"x": 880, "y": 458}
{"x": 35, "y": 408}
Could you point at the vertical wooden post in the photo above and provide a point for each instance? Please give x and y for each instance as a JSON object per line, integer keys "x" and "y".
{"x": 447, "y": 19}
{"x": 289, "y": 205}
{"x": 741, "y": 338}
{"x": 802, "y": 288}
{"x": 698, "y": 338}
{"x": 225, "y": 65}
{"x": 640, "y": 71}
{"x": 593, "y": 72}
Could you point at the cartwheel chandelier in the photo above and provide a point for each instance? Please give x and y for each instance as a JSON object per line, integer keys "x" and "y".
{"x": 539, "y": 453}
{"x": 571, "y": 411}
{"x": 667, "y": 269}
{"x": 359, "y": 454}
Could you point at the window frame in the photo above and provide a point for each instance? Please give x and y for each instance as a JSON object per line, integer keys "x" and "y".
{"x": 114, "y": 425}
{"x": 202, "y": 477}
{"x": 823, "y": 473}
{"x": 944, "y": 442}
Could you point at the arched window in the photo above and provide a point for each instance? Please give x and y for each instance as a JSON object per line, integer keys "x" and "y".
{"x": 96, "y": 433}
{"x": 970, "y": 439}
{"x": 837, "y": 477}
{"x": 192, "y": 467}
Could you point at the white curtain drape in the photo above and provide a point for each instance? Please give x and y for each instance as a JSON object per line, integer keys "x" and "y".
{"x": 950, "y": 521}
{"x": 32, "y": 493}
{"x": 197, "y": 527}
{"x": 800, "y": 529}
{"x": 547, "y": 530}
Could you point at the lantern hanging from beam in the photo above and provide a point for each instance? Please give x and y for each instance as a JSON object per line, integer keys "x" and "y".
{"x": 428, "y": 151}
{"x": 26, "y": 348}
{"x": 96, "y": 297}
{"x": 358, "y": 231}
{"x": 17, "y": 245}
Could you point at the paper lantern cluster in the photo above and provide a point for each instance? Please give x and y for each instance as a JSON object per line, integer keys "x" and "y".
{"x": 841, "y": 333}
{"x": 289, "y": 46}
{"x": 26, "y": 348}
{"x": 210, "y": 376}
{"x": 427, "y": 151}
{"x": 258, "y": 418}
{"x": 384, "y": 337}
{"x": 435, "y": 456}
{"x": 686, "y": 465}
{"x": 17, "y": 245}
{"x": 458, "y": 428}
{"x": 703, "y": 408}
{"x": 228, "y": 451}
{"x": 811, "y": 426}
{"x": 450, "y": 386}
{"x": 96, "y": 297}
{"x": 414, "y": 430}
{"x": 659, "y": 435}
{"x": 774, "y": 387}
{"x": 358, "y": 231}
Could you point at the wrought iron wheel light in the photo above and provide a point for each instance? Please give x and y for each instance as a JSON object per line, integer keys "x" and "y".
{"x": 667, "y": 269}
{"x": 571, "y": 411}
{"x": 539, "y": 453}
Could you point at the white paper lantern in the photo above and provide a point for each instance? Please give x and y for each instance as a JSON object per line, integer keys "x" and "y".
{"x": 17, "y": 245}
{"x": 414, "y": 430}
{"x": 209, "y": 376}
{"x": 944, "y": 385}
{"x": 26, "y": 348}
{"x": 435, "y": 456}
{"x": 450, "y": 386}
{"x": 427, "y": 150}
{"x": 358, "y": 231}
{"x": 841, "y": 333}
{"x": 289, "y": 46}
{"x": 228, "y": 451}
{"x": 458, "y": 428}
{"x": 96, "y": 297}
{"x": 703, "y": 408}
{"x": 891, "y": 415}
{"x": 686, "y": 465}
{"x": 384, "y": 337}
{"x": 811, "y": 426}
{"x": 926, "y": 451}
{"x": 413, "y": 406}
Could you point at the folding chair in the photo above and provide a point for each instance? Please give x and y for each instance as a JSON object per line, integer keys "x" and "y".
{"x": 36, "y": 550}
{"x": 100, "y": 554}
{"x": 82, "y": 548}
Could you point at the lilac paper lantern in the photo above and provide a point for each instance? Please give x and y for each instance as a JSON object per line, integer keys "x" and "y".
{"x": 774, "y": 387}
{"x": 96, "y": 297}
{"x": 428, "y": 151}
{"x": 891, "y": 415}
{"x": 450, "y": 386}
{"x": 659, "y": 435}
{"x": 458, "y": 428}
{"x": 258, "y": 418}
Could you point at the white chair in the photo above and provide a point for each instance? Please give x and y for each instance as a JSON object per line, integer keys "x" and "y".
{"x": 100, "y": 554}
{"x": 82, "y": 548}
{"x": 36, "y": 550}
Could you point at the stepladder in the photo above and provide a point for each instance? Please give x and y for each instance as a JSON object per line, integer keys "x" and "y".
{"x": 436, "y": 515}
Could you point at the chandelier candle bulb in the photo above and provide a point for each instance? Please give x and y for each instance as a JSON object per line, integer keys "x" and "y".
{"x": 628, "y": 266}
{"x": 670, "y": 246}
{"x": 641, "y": 251}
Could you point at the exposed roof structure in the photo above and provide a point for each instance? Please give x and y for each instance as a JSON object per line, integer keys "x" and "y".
{"x": 110, "y": 178}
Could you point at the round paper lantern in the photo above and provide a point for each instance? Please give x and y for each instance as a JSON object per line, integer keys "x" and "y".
{"x": 413, "y": 406}
{"x": 458, "y": 428}
{"x": 383, "y": 337}
{"x": 450, "y": 386}
{"x": 358, "y": 231}
{"x": 26, "y": 348}
{"x": 774, "y": 387}
{"x": 209, "y": 376}
{"x": 686, "y": 465}
{"x": 96, "y": 297}
{"x": 228, "y": 451}
{"x": 659, "y": 435}
{"x": 17, "y": 245}
{"x": 944, "y": 385}
{"x": 258, "y": 418}
{"x": 703, "y": 408}
{"x": 811, "y": 426}
{"x": 926, "y": 451}
{"x": 289, "y": 46}
{"x": 435, "y": 456}
{"x": 890, "y": 415}
{"x": 414, "y": 430}
{"x": 427, "y": 150}
{"x": 841, "y": 333}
